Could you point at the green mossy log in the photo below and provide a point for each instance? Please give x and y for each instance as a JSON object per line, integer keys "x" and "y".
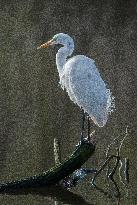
{"x": 55, "y": 174}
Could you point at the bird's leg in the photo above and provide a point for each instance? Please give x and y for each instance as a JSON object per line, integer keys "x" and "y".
{"x": 88, "y": 129}
{"x": 82, "y": 127}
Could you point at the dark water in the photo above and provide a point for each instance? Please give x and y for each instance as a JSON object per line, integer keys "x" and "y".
{"x": 34, "y": 109}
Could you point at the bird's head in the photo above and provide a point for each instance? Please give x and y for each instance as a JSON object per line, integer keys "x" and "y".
{"x": 60, "y": 38}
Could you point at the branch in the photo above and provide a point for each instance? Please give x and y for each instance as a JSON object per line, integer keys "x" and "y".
{"x": 57, "y": 173}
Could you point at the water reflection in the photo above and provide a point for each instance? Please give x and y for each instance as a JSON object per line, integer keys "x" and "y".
{"x": 56, "y": 192}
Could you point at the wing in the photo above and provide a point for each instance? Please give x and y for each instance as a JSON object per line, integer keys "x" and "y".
{"x": 89, "y": 89}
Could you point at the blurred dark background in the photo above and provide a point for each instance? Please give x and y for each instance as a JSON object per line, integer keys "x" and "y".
{"x": 33, "y": 107}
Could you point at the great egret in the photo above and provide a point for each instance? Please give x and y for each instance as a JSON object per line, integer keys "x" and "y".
{"x": 81, "y": 79}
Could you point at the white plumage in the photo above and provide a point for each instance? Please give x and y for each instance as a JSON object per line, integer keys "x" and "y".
{"x": 82, "y": 81}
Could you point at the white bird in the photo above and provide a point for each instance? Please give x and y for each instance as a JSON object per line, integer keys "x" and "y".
{"x": 82, "y": 81}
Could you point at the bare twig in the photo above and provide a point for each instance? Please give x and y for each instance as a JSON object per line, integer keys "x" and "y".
{"x": 126, "y": 170}
{"x": 113, "y": 171}
{"x": 100, "y": 170}
{"x": 111, "y": 174}
{"x": 107, "y": 152}
{"x": 57, "y": 156}
{"x": 121, "y": 163}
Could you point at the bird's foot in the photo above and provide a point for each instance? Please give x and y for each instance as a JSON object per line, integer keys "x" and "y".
{"x": 90, "y": 140}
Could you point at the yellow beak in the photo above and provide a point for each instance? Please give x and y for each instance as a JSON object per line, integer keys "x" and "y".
{"x": 47, "y": 44}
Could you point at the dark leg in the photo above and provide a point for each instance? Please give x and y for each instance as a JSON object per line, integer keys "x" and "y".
{"x": 88, "y": 129}
{"x": 83, "y": 122}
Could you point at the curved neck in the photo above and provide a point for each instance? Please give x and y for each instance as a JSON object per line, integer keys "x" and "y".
{"x": 61, "y": 57}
